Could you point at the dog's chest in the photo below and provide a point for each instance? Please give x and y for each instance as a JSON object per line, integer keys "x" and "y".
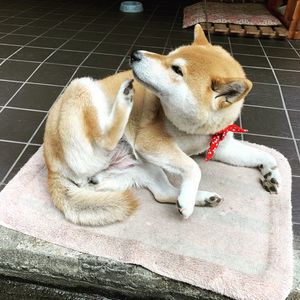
{"x": 191, "y": 144}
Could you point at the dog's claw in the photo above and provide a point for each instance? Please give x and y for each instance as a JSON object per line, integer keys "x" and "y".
{"x": 128, "y": 88}
{"x": 186, "y": 212}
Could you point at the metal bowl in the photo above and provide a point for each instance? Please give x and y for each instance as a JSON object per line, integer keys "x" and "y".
{"x": 131, "y": 7}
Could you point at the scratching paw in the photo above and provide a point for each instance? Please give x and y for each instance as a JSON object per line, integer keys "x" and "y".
{"x": 208, "y": 199}
{"x": 270, "y": 179}
{"x": 128, "y": 90}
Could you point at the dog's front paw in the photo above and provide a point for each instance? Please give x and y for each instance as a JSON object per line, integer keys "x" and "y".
{"x": 127, "y": 90}
{"x": 270, "y": 179}
{"x": 185, "y": 210}
{"x": 208, "y": 199}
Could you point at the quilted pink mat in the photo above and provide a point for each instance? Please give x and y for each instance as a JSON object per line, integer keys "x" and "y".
{"x": 242, "y": 248}
{"x": 232, "y": 13}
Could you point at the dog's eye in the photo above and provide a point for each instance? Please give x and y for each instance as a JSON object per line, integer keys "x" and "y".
{"x": 177, "y": 70}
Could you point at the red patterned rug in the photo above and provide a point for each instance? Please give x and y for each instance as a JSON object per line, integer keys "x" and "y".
{"x": 232, "y": 13}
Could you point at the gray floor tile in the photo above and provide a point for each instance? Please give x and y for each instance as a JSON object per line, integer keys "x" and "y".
{"x": 266, "y": 121}
{"x": 19, "y": 125}
{"x": 264, "y": 95}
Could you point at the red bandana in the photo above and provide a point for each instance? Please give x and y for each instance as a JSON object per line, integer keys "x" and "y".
{"x": 219, "y": 136}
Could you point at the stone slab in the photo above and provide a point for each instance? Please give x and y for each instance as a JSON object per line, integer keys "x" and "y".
{"x": 34, "y": 269}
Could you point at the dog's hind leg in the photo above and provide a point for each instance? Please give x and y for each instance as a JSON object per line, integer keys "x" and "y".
{"x": 118, "y": 118}
{"x": 141, "y": 176}
{"x": 156, "y": 181}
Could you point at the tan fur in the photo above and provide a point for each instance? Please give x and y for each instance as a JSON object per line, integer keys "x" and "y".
{"x": 89, "y": 122}
{"x": 152, "y": 132}
{"x": 74, "y": 106}
{"x": 78, "y": 204}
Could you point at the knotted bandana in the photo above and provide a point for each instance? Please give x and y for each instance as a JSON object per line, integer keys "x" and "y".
{"x": 219, "y": 136}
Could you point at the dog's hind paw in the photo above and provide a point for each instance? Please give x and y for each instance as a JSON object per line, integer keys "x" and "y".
{"x": 127, "y": 89}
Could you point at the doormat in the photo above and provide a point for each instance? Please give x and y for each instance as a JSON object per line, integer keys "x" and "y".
{"x": 241, "y": 248}
{"x": 235, "y": 18}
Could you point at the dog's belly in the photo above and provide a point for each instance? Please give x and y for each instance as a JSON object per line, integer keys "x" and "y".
{"x": 122, "y": 156}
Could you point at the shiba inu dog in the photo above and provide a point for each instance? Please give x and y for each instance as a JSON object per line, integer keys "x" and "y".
{"x": 104, "y": 138}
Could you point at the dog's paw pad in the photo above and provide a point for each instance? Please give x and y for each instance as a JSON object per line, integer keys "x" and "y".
{"x": 271, "y": 180}
{"x": 213, "y": 201}
{"x": 209, "y": 199}
{"x": 271, "y": 185}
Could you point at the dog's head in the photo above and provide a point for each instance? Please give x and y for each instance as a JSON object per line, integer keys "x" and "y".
{"x": 201, "y": 82}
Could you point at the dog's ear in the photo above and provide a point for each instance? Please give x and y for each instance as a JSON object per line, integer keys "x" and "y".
{"x": 199, "y": 36}
{"x": 229, "y": 91}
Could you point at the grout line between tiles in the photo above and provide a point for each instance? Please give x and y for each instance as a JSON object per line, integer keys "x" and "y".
{"x": 258, "y": 45}
{"x": 31, "y": 82}
{"x": 270, "y": 56}
{"x": 269, "y": 136}
{"x": 60, "y": 64}
{"x": 283, "y": 103}
{"x": 275, "y": 84}
{"x": 293, "y": 48}
{"x": 18, "y": 142}
{"x": 26, "y": 109}
{"x": 270, "y": 107}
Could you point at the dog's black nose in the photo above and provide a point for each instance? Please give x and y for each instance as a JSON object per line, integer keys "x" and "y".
{"x": 135, "y": 56}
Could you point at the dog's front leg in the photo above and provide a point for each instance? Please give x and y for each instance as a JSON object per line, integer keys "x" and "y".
{"x": 165, "y": 154}
{"x": 234, "y": 152}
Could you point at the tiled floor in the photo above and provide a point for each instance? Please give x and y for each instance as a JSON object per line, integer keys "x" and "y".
{"x": 44, "y": 44}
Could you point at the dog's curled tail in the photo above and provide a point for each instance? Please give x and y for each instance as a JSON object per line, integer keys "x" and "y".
{"x": 85, "y": 206}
